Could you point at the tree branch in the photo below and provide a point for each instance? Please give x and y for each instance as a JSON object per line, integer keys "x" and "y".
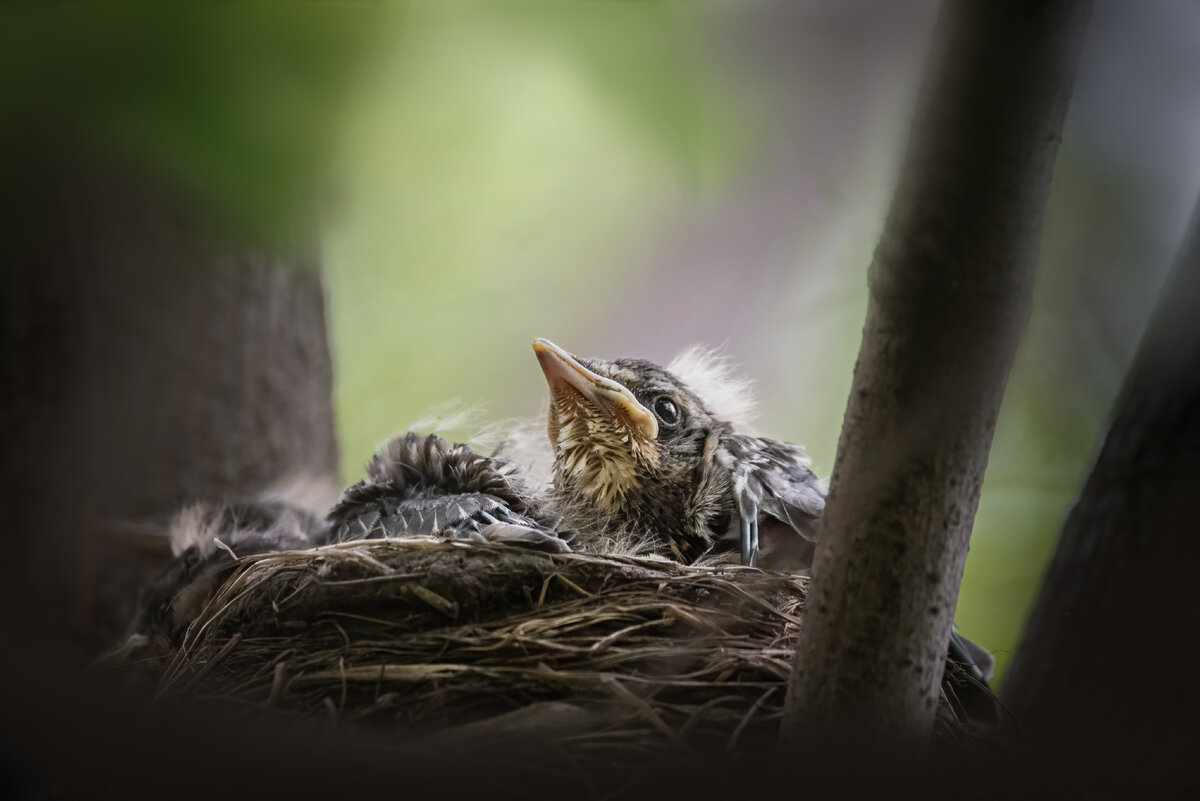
{"x": 950, "y": 288}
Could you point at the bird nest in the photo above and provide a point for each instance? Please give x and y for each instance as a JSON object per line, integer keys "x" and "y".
{"x": 440, "y": 644}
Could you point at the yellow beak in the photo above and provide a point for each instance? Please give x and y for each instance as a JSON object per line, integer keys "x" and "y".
{"x": 606, "y": 395}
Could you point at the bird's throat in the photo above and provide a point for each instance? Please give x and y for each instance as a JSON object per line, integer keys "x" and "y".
{"x": 594, "y": 455}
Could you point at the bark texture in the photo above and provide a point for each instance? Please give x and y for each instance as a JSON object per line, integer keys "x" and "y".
{"x": 1104, "y": 680}
{"x": 148, "y": 356}
{"x": 950, "y": 287}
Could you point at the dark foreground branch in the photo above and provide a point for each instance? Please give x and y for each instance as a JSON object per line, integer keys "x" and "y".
{"x": 1104, "y": 679}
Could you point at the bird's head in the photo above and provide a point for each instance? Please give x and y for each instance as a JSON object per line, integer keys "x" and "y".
{"x": 630, "y": 441}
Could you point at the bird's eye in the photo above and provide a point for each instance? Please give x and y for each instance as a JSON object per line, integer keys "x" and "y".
{"x": 666, "y": 410}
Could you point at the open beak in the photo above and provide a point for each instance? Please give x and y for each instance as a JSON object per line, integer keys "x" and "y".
{"x": 605, "y": 395}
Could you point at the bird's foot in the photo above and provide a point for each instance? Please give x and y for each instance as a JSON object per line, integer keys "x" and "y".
{"x": 749, "y": 538}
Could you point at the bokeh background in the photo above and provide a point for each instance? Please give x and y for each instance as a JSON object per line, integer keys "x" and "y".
{"x": 628, "y": 178}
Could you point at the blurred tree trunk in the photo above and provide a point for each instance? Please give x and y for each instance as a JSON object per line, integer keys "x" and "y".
{"x": 148, "y": 356}
{"x": 1104, "y": 680}
{"x": 950, "y": 287}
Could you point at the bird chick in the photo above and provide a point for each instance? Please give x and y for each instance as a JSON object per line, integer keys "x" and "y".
{"x": 207, "y": 539}
{"x": 424, "y": 486}
{"x": 640, "y": 455}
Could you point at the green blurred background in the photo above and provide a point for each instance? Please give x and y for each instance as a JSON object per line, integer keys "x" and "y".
{"x": 627, "y": 178}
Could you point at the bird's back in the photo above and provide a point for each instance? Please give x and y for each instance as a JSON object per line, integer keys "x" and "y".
{"x": 423, "y": 485}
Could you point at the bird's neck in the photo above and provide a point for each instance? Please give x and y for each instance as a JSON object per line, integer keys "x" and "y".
{"x": 655, "y": 517}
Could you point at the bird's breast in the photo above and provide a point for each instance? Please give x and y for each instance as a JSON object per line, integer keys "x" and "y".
{"x": 600, "y": 461}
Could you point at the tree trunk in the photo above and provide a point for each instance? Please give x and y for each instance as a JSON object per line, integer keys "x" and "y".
{"x": 148, "y": 356}
{"x": 949, "y": 294}
{"x": 1104, "y": 681}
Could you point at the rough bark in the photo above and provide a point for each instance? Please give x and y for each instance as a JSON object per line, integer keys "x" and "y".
{"x": 148, "y": 356}
{"x": 1104, "y": 680}
{"x": 950, "y": 287}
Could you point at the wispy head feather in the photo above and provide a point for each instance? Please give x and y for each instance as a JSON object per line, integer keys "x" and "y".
{"x": 523, "y": 443}
{"x": 314, "y": 494}
{"x": 710, "y": 374}
{"x": 453, "y": 415}
{"x": 197, "y": 524}
{"x": 287, "y": 514}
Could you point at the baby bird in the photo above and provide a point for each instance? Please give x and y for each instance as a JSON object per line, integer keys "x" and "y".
{"x": 424, "y": 486}
{"x": 207, "y": 538}
{"x": 640, "y": 455}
